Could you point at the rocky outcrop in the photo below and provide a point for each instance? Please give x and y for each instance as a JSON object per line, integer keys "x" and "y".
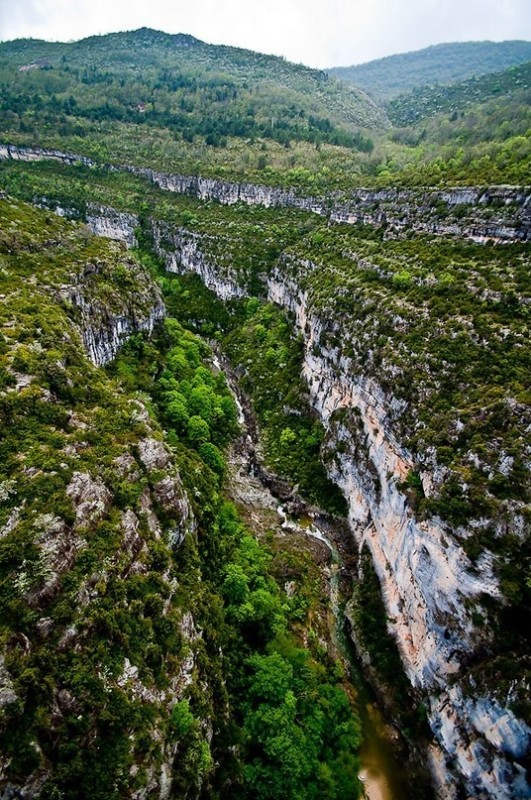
{"x": 100, "y": 617}
{"x": 113, "y": 224}
{"x": 498, "y": 213}
{"x": 91, "y": 498}
{"x": 229, "y": 193}
{"x": 107, "y": 320}
{"x": 182, "y": 251}
{"x": 15, "y": 153}
{"x": 7, "y": 694}
{"x": 103, "y": 339}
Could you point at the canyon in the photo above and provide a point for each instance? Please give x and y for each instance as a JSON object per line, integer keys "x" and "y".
{"x": 430, "y": 587}
{"x": 264, "y": 423}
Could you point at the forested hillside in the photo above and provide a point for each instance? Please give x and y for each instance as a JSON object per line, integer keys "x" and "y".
{"x": 184, "y": 85}
{"x": 442, "y": 64}
{"x": 453, "y": 100}
{"x": 192, "y": 105}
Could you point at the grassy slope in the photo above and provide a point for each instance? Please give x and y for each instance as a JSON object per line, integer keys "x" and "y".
{"x": 476, "y": 131}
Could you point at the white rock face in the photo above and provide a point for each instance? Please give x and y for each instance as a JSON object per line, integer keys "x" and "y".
{"x": 425, "y": 577}
{"x": 103, "y": 336}
{"x": 485, "y": 741}
{"x": 182, "y": 252}
{"x": 7, "y": 693}
{"x": 90, "y": 497}
{"x": 113, "y": 224}
{"x": 397, "y": 209}
{"x": 14, "y": 153}
{"x": 153, "y": 454}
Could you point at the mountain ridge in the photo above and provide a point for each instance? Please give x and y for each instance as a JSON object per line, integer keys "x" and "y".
{"x": 386, "y": 77}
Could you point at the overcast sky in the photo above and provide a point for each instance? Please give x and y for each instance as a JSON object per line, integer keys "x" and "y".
{"x": 320, "y": 33}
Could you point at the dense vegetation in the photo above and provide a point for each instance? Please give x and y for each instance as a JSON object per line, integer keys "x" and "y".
{"x": 181, "y": 84}
{"x": 112, "y": 559}
{"x": 259, "y": 341}
{"x": 474, "y": 290}
{"x": 291, "y": 721}
{"x": 452, "y": 100}
{"x": 388, "y": 77}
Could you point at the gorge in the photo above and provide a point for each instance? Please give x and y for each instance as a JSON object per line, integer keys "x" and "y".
{"x": 430, "y": 587}
{"x": 264, "y": 428}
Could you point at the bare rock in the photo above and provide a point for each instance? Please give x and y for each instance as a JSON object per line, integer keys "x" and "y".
{"x": 91, "y": 497}
{"x": 153, "y": 454}
{"x": 7, "y": 693}
{"x": 127, "y": 467}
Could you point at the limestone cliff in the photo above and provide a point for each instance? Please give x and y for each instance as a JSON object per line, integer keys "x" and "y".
{"x": 185, "y": 251}
{"x": 430, "y": 587}
{"x": 108, "y": 222}
{"x": 499, "y": 213}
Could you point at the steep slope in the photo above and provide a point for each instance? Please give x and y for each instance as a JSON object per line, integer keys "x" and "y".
{"x": 92, "y": 504}
{"x": 388, "y": 77}
{"x": 441, "y": 500}
{"x": 494, "y": 213}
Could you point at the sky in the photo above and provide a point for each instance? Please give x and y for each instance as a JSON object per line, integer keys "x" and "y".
{"x": 320, "y": 33}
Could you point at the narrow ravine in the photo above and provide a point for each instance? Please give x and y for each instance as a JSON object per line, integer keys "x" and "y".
{"x": 267, "y": 502}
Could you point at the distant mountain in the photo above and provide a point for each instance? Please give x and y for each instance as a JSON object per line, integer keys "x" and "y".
{"x": 179, "y": 83}
{"x": 388, "y": 77}
{"x": 512, "y": 85}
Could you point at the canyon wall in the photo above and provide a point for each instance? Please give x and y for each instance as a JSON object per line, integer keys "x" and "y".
{"x": 430, "y": 587}
{"x": 499, "y": 213}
